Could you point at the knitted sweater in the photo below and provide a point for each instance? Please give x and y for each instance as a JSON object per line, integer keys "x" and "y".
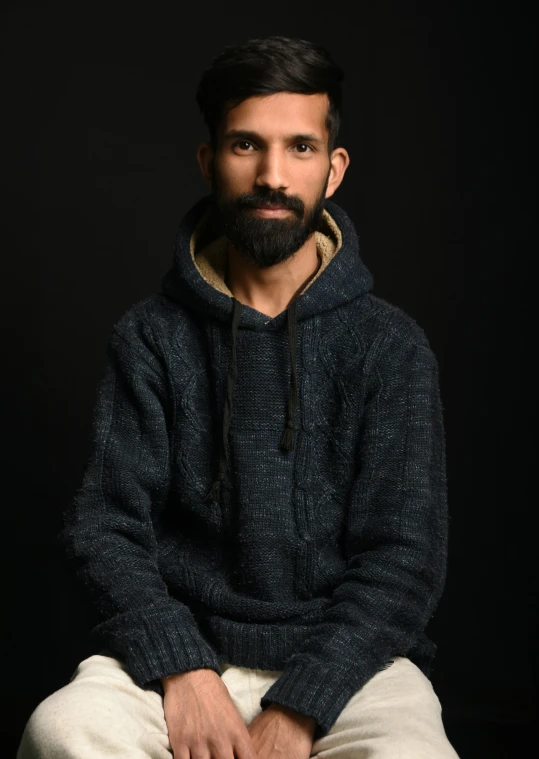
{"x": 269, "y": 492}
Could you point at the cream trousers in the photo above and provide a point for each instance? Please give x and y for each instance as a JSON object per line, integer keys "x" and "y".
{"x": 101, "y": 713}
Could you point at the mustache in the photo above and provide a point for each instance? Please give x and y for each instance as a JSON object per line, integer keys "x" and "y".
{"x": 249, "y": 200}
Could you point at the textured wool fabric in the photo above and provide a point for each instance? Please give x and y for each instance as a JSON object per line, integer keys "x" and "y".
{"x": 323, "y": 561}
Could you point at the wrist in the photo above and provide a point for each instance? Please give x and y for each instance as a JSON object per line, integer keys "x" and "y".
{"x": 172, "y": 680}
{"x": 168, "y": 682}
{"x": 308, "y": 723}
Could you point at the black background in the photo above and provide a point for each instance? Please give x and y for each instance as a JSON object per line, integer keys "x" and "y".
{"x": 100, "y": 131}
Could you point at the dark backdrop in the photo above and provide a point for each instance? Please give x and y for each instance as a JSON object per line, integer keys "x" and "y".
{"x": 99, "y": 163}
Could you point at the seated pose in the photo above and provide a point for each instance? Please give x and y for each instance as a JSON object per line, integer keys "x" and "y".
{"x": 262, "y": 522}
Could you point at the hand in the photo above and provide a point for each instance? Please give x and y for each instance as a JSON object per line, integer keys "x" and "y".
{"x": 282, "y": 733}
{"x": 201, "y": 717}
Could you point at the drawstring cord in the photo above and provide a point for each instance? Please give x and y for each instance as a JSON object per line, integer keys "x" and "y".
{"x": 287, "y": 440}
{"x": 215, "y": 492}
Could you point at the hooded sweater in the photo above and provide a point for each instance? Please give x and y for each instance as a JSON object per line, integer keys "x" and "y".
{"x": 267, "y": 492}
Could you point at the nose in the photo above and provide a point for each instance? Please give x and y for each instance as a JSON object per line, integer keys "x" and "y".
{"x": 271, "y": 170}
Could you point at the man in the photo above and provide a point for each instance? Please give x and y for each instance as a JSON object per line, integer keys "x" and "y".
{"x": 263, "y": 519}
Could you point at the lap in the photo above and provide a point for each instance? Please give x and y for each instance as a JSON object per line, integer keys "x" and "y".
{"x": 395, "y": 715}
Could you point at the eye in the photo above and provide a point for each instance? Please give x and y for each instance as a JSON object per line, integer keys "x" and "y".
{"x": 241, "y": 142}
{"x": 304, "y": 145}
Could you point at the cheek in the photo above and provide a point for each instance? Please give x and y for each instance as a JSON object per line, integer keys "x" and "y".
{"x": 237, "y": 175}
{"x": 310, "y": 185}
{"x": 311, "y": 175}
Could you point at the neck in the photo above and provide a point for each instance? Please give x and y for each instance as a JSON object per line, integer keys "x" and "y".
{"x": 271, "y": 290}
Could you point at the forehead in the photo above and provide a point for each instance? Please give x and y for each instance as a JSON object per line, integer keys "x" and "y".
{"x": 281, "y": 113}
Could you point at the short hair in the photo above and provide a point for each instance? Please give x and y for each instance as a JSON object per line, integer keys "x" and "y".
{"x": 265, "y": 66}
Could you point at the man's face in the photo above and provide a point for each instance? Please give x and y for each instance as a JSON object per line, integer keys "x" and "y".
{"x": 270, "y": 174}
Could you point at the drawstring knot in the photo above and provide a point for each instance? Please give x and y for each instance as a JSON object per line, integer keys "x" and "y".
{"x": 215, "y": 492}
{"x": 287, "y": 440}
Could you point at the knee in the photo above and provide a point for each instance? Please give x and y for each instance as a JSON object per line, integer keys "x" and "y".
{"x": 57, "y": 722}
{"x": 41, "y": 734}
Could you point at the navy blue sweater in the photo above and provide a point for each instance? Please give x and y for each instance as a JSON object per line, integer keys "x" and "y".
{"x": 269, "y": 492}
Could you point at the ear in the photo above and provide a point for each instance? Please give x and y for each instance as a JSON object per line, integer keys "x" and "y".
{"x": 205, "y": 161}
{"x": 340, "y": 161}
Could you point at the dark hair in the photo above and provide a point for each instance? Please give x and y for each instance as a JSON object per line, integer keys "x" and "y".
{"x": 270, "y": 65}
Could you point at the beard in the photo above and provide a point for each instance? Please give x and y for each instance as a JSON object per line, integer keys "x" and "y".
{"x": 265, "y": 242}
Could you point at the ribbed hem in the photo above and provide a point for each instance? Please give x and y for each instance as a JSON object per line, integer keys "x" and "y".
{"x": 256, "y": 645}
{"x": 156, "y": 646}
{"x": 315, "y": 690}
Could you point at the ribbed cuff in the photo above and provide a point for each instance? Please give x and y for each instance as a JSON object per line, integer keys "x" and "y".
{"x": 159, "y": 644}
{"x": 315, "y": 690}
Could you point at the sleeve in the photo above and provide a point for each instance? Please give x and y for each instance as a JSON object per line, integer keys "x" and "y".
{"x": 396, "y": 540}
{"x": 107, "y": 530}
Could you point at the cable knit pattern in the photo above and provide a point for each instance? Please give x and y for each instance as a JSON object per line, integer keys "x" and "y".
{"x": 323, "y": 561}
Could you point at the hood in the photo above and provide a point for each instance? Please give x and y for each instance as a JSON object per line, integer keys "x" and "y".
{"x": 196, "y": 280}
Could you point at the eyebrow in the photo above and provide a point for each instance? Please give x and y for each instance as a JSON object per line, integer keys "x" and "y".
{"x": 247, "y": 135}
